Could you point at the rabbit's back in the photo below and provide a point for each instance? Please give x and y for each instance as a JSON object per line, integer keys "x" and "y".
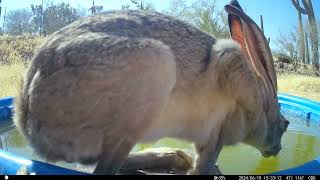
{"x": 191, "y": 47}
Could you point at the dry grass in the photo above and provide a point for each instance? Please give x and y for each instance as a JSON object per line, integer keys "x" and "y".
{"x": 16, "y": 49}
{"x": 300, "y": 85}
{"x": 10, "y": 78}
{"x": 15, "y": 52}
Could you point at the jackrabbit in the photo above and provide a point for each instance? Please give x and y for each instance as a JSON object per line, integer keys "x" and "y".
{"x": 106, "y": 82}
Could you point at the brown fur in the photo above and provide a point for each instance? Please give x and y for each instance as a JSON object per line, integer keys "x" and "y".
{"x": 104, "y": 83}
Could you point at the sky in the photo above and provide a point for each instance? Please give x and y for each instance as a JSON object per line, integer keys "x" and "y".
{"x": 278, "y": 15}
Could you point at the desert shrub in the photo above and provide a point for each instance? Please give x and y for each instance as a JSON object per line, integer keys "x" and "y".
{"x": 283, "y": 58}
{"x": 15, "y": 49}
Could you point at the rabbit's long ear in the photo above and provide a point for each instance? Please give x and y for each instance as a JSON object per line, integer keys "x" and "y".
{"x": 253, "y": 42}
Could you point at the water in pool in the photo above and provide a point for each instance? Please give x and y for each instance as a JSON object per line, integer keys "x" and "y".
{"x": 300, "y": 144}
